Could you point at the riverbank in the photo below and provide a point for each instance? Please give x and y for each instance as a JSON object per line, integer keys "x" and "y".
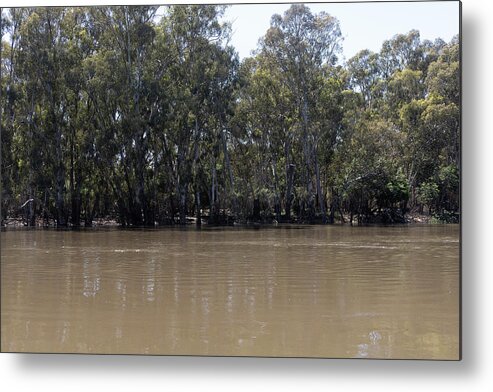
{"x": 407, "y": 219}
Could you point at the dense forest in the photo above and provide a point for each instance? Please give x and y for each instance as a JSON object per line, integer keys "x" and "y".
{"x": 116, "y": 113}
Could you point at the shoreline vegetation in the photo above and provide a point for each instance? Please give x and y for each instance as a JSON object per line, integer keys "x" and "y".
{"x": 383, "y": 219}
{"x": 120, "y": 116}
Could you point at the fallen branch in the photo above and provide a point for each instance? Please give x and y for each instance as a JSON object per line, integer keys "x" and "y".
{"x": 28, "y": 201}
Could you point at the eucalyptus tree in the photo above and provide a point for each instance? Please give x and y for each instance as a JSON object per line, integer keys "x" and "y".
{"x": 3, "y": 178}
{"x": 364, "y": 72}
{"x": 80, "y": 125}
{"x": 10, "y": 21}
{"x": 41, "y": 64}
{"x": 122, "y": 113}
{"x": 400, "y": 52}
{"x": 201, "y": 71}
{"x": 222, "y": 101}
{"x": 264, "y": 116}
{"x": 119, "y": 87}
{"x": 433, "y": 128}
{"x": 328, "y": 125}
{"x": 299, "y": 43}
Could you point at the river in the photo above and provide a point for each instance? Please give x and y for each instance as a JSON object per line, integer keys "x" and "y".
{"x": 296, "y": 291}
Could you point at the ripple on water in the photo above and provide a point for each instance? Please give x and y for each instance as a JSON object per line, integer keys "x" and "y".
{"x": 320, "y": 291}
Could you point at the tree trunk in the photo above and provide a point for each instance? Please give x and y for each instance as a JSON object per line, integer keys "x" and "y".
{"x": 321, "y": 199}
{"x": 31, "y": 218}
{"x": 60, "y": 182}
{"x": 140, "y": 196}
{"x": 182, "y": 191}
{"x": 289, "y": 189}
{"x": 198, "y": 216}
{"x": 182, "y": 187}
{"x": 74, "y": 188}
{"x": 277, "y": 202}
{"x": 307, "y": 151}
{"x": 289, "y": 180}
{"x": 230, "y": 173}
{"x": 213, "y": 208}
{"x": 332, "y": 212}
{"x": 256, "y": 210}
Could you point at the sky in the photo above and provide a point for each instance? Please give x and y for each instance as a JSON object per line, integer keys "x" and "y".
{"x": 363, "y": 26}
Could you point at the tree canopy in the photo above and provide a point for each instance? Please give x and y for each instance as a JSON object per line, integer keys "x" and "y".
{"x": 116, "y": 113}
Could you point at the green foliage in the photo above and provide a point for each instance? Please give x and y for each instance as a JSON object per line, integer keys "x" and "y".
{"x": 428, "y": 193}
{"x": 117, "y": 113}
{"x": 398, "y": 189}
{"x": 449, "y": 176}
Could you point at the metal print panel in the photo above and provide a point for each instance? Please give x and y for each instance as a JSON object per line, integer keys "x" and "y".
{"x": 276, "y": 180}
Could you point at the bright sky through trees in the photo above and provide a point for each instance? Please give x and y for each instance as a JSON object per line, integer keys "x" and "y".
{"x": 364, "y": 26}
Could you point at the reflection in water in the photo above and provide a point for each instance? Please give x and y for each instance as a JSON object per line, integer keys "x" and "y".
{"x": 150, "y": 280}
{"x": 92, "y": 280}
{"x": 315, "y": 291}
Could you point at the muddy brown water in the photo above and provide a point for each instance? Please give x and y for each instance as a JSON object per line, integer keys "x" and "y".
{"x": 310, "y": 291}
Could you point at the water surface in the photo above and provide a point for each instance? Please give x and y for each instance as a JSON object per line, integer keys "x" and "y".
{"x": 312, "y": 291}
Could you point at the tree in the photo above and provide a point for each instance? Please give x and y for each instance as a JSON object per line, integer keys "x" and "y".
{"x": 264, "y": 122}
{"x": 364, "y": 73}
{"x": 120, "y": 113}
{"x": 298, "y": 44}
{"x": 202, "y": 72}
